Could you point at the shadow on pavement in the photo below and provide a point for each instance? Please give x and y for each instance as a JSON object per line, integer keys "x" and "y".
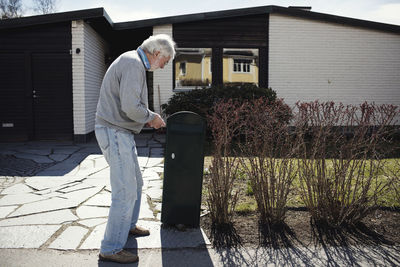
{"x": 189, "y": 245}
{"x": 58, "y": 158}
{"x": 42, "y": 158}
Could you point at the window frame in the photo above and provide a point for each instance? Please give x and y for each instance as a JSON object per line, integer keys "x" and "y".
{"x": 242, "y": 66}
{"x": 208, "y": 51}
{"x": 216, "y": 65}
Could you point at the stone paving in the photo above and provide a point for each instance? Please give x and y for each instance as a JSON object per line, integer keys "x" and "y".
{"x": 57, "y": 196}
{"x": 54, "y": 202}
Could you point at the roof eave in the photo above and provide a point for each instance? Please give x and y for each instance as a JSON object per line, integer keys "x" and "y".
{"x": 100, "y": 13}
{"x": 55, "y": 18}
{"x": 256, "y": 11}
{"x": 193, "y": 17}
{"x": 336, "y": 19}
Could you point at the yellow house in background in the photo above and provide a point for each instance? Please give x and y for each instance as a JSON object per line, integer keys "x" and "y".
{"x": 240, "y": 66}
{"x": 193, "y": 67}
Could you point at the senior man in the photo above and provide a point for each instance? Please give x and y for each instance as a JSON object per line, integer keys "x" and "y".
{"x": 122, "y": 111}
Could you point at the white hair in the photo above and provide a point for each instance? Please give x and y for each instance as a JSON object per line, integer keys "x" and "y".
{"x": 160, "y": 42}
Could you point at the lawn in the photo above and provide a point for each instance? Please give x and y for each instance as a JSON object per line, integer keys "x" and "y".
{"x": 247, "y": 203}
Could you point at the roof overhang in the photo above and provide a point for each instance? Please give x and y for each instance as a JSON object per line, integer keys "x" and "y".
{"x": 295, "y": 12}
{"x": 99, "y": 18}
{"x": 87, "y": 14}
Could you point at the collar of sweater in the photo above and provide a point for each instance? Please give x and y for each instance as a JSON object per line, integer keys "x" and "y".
{"x": 144, "y": 58}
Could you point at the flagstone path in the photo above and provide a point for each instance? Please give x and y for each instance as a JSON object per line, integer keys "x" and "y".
{"x": 57, "y": 195}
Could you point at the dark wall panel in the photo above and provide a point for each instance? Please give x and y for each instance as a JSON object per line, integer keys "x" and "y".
{"x": 263, "y": 68}
{"x": 126, "y": 40}
{"x": 13, "y": 101}
{"x": 246, "y": 31}
{"x": 36, "y": 59}
{"x": 53, "y": 37}
{"x": 52, "y": 82}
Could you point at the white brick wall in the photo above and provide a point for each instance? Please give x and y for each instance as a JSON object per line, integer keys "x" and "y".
{"x": 95, "y": 68}
{"x": 78, "y": 77}
{"x": 88, "y": 69}
{"x": 162, "y": 78}
{"x": 311, "y": 60}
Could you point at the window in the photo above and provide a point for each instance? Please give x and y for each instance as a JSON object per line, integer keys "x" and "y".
{"x": 240, "y": 65}
{"x": 193, "y": 68}
{"x": 182, "y": 68}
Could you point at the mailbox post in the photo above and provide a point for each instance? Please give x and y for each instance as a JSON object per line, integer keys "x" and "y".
{"x": 183, "y": 169}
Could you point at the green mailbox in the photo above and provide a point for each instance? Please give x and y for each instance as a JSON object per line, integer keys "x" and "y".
{"x": 183, "y": 169}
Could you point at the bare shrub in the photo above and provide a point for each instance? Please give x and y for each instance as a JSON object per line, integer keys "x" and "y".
{"x": 341, "y": 158}
{"x": 269, "y": 148}
{"x": 224, "y": 122}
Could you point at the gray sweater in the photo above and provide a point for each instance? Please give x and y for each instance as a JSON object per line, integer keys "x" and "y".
{"x": 123, "y": 101}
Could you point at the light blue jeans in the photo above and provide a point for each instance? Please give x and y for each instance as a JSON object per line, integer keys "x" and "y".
{"x": 119, "y": 149}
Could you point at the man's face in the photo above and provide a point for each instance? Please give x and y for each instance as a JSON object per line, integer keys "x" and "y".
{"x": 160, "y": 62}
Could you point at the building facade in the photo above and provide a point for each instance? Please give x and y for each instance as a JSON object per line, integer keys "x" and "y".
{"x": 53, "y": 65}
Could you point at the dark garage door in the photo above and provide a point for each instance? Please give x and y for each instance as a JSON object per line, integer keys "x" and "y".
{"x": 52, "y": 96}
{"x": 36, "y": 96}
{"x": 13, "y": 102}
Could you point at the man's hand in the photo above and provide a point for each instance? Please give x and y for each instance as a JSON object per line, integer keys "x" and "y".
{"x": 157, "y": 122}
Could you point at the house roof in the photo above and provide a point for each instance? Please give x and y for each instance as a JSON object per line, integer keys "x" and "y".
{"x": 99, "y": 17}
{"x": 86, "y": 14}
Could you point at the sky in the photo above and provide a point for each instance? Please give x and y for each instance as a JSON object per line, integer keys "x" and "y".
{"x": 386, "y": 11}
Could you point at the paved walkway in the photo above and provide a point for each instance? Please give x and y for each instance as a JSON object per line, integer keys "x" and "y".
{"x": 65, "y": 204}
{"x": 54, "y": 202}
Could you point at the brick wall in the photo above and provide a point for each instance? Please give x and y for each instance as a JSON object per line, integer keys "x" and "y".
{"x": 162, "y": 79}
{"x": 95, "y": 68}
{"x": 78, "y": 77}
{"x": 88, "y": 69}
{"x": 311, "y": 60}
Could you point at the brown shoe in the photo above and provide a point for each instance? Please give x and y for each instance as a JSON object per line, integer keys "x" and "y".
{"x": 139, "y": 231}
{"x": 121, "y": 257}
